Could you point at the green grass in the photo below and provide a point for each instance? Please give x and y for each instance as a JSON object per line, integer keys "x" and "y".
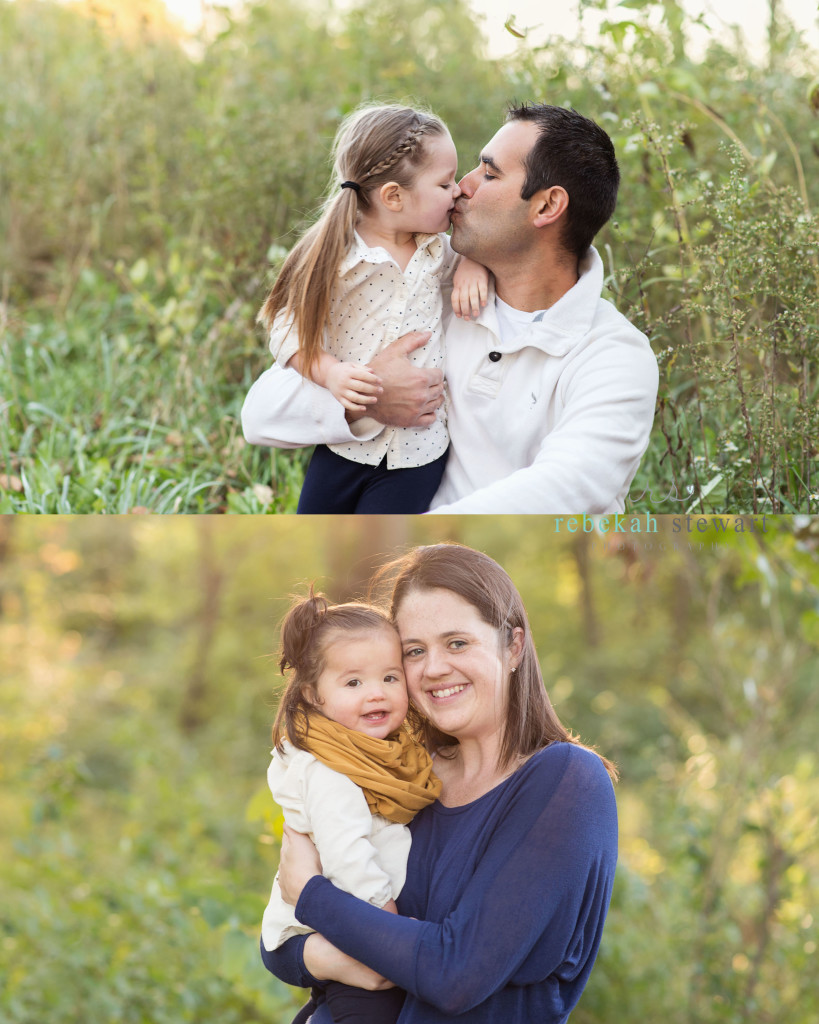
{"x": 131, "y": 272}
{"x": 104, "y": 413}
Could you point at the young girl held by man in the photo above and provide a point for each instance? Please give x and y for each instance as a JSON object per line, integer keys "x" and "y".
{"x": 373, "y": 268}
{"x": 346, "y": 771}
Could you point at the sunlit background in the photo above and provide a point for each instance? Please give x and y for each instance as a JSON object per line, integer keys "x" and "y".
{"x": 156, "y": 171}
{"x": 139, "y": 840}
{"x": 542, "y": 21}
{"x": 554, "y": 18}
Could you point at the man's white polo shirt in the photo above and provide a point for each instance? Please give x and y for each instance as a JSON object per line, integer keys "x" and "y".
{"x": 555, "y": 416}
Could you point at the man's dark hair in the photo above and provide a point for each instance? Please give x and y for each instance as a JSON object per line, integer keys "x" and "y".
{"x": 575, "y": 153}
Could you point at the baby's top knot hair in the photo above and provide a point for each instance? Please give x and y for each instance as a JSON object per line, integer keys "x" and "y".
{"x": 299, "y": 629}
{"x": 310, "y": 626}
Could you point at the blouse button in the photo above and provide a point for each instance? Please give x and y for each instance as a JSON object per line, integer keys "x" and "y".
{"x": 494, "y": 356}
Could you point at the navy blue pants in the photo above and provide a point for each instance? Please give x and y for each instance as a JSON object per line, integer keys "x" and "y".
{"x": 350, "y": 1005}
{"x": 336, "y": 486}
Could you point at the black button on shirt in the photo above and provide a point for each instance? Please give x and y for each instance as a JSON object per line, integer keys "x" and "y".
{"x": 494, "y": 356}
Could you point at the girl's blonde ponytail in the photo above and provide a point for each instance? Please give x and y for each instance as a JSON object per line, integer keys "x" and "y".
{"x": 374, "y": 145}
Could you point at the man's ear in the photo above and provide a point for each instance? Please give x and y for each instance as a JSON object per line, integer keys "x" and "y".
{"x": 392, "y": 196}
{"x": 549, "y": 204}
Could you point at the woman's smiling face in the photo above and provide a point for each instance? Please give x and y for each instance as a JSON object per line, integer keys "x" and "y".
{"x": 456, "y": 667}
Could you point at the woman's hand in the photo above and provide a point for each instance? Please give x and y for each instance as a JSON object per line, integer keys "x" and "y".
{"x": 298, "y": 863}
{"x": 327, "y": 963}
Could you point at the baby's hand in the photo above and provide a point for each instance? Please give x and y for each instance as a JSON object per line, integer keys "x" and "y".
{"x": 390, "y": 905}
{"x": 470, "y": 288}
{"x": 354, "y": 385}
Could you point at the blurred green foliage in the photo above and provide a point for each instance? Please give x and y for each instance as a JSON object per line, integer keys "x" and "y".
{"x": 150, "y": 183}
{"x": 139, "y": 841}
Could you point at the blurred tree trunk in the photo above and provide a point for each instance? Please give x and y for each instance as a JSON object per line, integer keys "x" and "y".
{"x": 773, "y": 40}
{"x": 682, "y": 602}
{"x": 192, "y": 712}
{"x": 582, "y": 557}
{"x": 7, "y": 524}
{"x": 674, "y": 15}
{"x": 357, "y": 547}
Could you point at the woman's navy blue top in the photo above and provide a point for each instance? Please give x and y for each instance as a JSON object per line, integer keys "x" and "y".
{"x": 510, "y": 893}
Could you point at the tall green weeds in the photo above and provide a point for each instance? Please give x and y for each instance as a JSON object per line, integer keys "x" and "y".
{"x": 145, "y": 178}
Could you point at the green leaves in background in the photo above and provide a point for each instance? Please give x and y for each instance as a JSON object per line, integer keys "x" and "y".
{"x": 139, "y": 840}
{"x": 150, "y": 185}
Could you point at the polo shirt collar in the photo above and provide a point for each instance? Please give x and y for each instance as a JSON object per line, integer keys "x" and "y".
{"x": 565, "y": 323}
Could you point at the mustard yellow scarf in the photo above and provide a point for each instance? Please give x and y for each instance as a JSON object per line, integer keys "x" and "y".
{"x": 395, "y": 774}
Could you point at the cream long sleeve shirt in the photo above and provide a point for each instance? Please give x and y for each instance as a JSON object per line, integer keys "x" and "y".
{"x": 374, "y": 303}
{"x": 365, "y": 854}
{"x": 552, "y": 420}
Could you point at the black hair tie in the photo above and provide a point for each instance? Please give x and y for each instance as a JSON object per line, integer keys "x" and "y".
{"x": 351, "y": 184}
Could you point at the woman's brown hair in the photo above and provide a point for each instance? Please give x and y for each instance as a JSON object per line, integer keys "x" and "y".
{"x": 305, "y": 632}
{"x": 374, "y": 145}
{"x": 530, "y": 720}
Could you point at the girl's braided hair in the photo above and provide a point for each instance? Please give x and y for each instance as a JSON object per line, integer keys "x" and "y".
{"x": 374, "y": 145}
{"x": 405, "y": 149}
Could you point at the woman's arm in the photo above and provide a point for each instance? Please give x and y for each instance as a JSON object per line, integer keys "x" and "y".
{"x": 287, "y": 962}
{"x": 326, "y": 961}
{"x": 307, "y": 960}
{"x": 336, "y": 811}
{"x": 534, "y": 906}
